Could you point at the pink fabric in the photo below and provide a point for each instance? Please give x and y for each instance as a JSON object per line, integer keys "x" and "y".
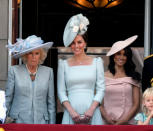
{"x": 118, "y": 97}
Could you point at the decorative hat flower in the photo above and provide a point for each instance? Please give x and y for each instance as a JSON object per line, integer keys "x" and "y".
{"x": 24, "y": 46}
{"x": 76, "y": 25}
{"x": 79, "y": 24}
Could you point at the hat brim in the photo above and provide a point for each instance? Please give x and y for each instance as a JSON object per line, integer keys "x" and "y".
{"x": 120, "y": 45}
{"x": 44, "y": 46}
{"x": 69, "y": 35}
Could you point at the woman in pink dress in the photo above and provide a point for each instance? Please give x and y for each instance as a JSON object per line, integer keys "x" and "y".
{"x": 121, "y": 100}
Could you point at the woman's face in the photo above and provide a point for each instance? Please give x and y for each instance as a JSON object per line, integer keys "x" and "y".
{"x": 33, "y": 57}
{"x": 120, "y": 58}
{"x": 78, "y": 45}
{"x": 148, "y": 102}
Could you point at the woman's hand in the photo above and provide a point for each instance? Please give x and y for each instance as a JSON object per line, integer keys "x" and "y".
{"x": 105, "y": 116}
{"x": 75, "y": 117}
{"x": 89, "y": 113}
{"x": 121, "y": 122}
{"x": 110, "y": 121}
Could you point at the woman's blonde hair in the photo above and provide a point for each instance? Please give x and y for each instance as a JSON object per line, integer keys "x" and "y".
{"x": 147, "y": 93}
{"x": 43, "y": 55}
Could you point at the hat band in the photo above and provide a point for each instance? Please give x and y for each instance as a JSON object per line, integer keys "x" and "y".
{"x": 24, "y": 45}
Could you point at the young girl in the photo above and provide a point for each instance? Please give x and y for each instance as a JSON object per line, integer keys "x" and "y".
{"x": 146, "y": 117}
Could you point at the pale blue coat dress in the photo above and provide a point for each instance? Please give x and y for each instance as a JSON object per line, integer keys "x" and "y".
{"x": 81, "y": 85}
{"x": 30, "y": 102}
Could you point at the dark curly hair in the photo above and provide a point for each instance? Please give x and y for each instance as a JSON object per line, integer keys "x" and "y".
{"x": 129, "y": 65}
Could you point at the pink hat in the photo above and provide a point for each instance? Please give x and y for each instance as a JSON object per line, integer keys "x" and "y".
{"x": 119, "y": 45}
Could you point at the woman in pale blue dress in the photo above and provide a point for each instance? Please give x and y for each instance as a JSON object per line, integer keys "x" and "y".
{"x": 146, "y": 116}
{"x": 80, "y": 78}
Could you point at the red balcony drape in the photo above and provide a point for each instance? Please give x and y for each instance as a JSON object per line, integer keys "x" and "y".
{"x": 60, "y": 127}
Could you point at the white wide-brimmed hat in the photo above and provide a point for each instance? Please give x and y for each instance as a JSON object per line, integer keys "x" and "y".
{"x": 29, "y": 44}
{"x": 119, "y": 45}
{"x": 77, "y": 24}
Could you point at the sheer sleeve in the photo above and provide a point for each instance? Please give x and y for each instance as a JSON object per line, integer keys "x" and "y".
{"x": 139, "y": 117}
{"x": 100, "y": 83}
{"x": 61, "y": 86}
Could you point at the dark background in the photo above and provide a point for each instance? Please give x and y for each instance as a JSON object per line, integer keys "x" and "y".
{"x": 47, "y": 18}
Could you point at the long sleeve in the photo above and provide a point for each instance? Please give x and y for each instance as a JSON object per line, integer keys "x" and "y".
{"x": 9, "y": 89}
{"x": 100, "y": 83}
{"x": 2, "y": 106}
{"x": 51, "y": 100}
{"x": 61, "y": 82}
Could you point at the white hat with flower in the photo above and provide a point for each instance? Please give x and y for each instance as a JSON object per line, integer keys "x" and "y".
{"x": 23, "y": 46}
{"x": 77, "y": 24}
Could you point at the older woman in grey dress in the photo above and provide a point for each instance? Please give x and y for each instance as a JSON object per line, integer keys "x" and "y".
{"x": 30, "y": 87}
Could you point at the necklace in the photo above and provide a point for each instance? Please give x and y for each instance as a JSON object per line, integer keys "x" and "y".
{"x": 31, "y": 74}
{"x": 79, "y": 62}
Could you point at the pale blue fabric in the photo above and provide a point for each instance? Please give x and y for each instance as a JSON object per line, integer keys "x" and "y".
{"x": 77, "y": 24}
{"x": 29, "y": 42}
{"x": 77, "y": 84}
{"x": 24, "y": 46}
{"x": 27, "y": 104}
{"x": 142, "y": 117}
